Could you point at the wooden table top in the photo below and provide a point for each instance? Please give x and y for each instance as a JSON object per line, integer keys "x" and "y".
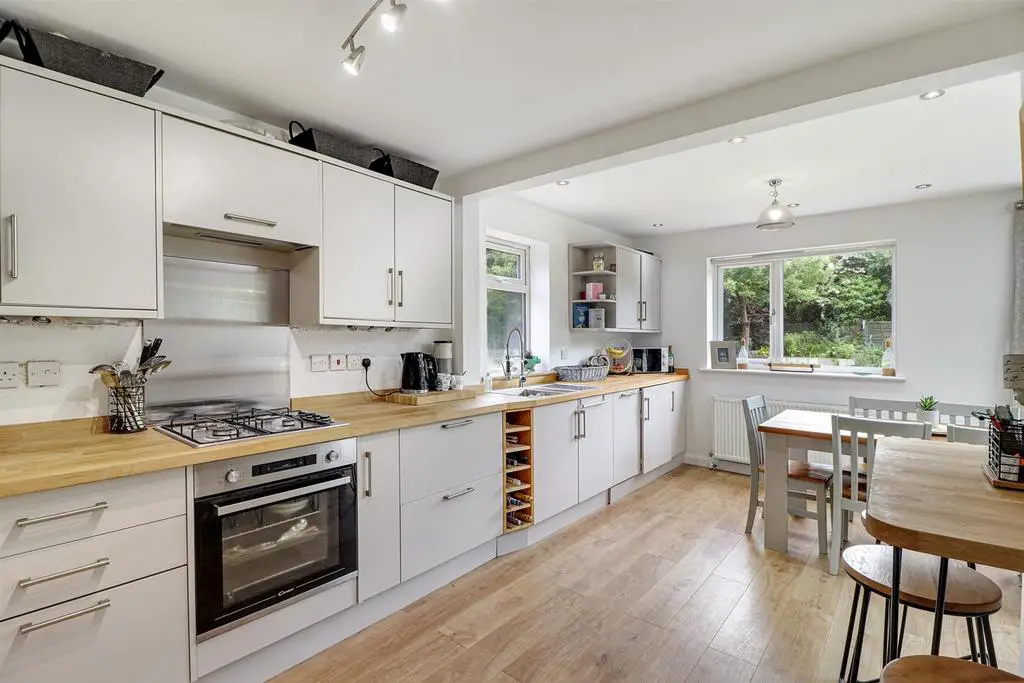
{"x": 810, "y": 424}
{"x": 933, "y": 497}
{"x": 49, "y": 455}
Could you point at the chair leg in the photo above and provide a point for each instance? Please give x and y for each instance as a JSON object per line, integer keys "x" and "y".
{"x": 822, "y": 519}
{"x": 903, "y": 628}
{"x": 970, "y": 638}
{"x": 847, "y": 518}
{"x": 836, "y": 548}
{"x": 849, "y": 632}
{"x": 859, "y": 644}
{"x": 752, "y": 509}
{"x": 989, "y": 642}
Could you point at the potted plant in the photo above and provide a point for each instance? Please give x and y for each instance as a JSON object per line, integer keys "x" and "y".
{"x": 928, "y": 409}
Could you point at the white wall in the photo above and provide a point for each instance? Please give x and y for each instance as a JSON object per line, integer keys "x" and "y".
{"x": 953, "y": 290}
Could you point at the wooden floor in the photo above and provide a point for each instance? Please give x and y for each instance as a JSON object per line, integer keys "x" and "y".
{"x": 662, "y": 586}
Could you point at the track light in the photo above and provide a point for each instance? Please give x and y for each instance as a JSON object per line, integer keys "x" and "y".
{"x": 392, "y": 19}
{"x": 354, "y": 62}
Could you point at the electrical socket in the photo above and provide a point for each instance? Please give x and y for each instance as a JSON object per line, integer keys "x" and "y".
{"x": 338, "y": 362}
{"x": 43, "y": 373}
{"x": 319, "y": 363}
{"x": 353, "y": 361}
{"x": 565, "y": 353}
{"x": 10, "y": 375}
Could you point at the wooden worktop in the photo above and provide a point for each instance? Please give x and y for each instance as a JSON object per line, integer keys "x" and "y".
{"x": 933, "y": 497}
{"x": 49, "y": 455}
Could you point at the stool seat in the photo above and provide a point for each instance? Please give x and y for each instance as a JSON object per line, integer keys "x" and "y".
{"x": 925, "y": 669}
{"x": 968, "y": 592}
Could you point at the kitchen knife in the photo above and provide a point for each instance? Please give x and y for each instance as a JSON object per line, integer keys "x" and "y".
{"x": 147, "y": 349}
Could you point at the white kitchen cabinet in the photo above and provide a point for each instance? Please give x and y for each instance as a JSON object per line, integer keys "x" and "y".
{"x": 677, "y": 418}
{"x": 556, "y": 459}
{"x": 629, "y": 300}
{"x": 423, "y": 257}
{"x": 358, "y": 249}
{"x": 596, "y": 446}
{"x": 448, "y": 454}
{"x": 626, "y": 449}
{"x": 650, "y": 291}
{"x": 379, "y": 514}
{"x": 663, "y": 424}
{"x": 135, "y": 632}
{"x": 217, "y": 181}
{"x": 78, "y": 202}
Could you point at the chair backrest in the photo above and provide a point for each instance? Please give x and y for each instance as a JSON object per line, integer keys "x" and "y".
{"x": 883, "y": 409}
{"x": 960, "y": 413}
{"x": 962, "y": 434}
{"x": 755, "y": 411}
{"x": 870, "y": 429}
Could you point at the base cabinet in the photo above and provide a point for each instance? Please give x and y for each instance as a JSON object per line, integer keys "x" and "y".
{"x": 596, "y": 456}
{"x": 135, "y": 632}
{"x": 556, "y": 459}
{"x": 379, "y": 514}
{"x": 663, "y": 424}
{"x": 626, "y": 443}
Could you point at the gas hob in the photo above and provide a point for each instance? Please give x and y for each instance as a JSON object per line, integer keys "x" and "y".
{"x": 208, "y": 429}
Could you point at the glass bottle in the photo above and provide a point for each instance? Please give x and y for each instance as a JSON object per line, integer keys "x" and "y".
{"x": 888, "y": 360}
{"x": 743, "y": 357}
{"x": 598, "y": 261}
{"x": 671, "y": 360}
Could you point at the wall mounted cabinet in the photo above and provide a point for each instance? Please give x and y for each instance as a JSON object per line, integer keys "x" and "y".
{"x": 630, "y": 281}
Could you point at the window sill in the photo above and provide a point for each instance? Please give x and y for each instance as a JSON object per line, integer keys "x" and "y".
{"x": 808, "y": 375}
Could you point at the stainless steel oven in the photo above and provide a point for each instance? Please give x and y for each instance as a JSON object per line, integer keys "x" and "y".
{"x": 270, "y": 528}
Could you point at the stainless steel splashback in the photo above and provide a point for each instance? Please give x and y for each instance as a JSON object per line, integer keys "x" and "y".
{"x": 226, "y": 331}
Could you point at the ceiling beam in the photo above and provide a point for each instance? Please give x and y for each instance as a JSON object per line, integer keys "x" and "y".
{"x": 979, "y": 49}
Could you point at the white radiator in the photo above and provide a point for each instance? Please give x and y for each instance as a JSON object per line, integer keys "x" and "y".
{"x": 730, "y": 442}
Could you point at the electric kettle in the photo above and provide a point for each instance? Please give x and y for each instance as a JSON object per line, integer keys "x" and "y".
{"x": 419, "y": 373}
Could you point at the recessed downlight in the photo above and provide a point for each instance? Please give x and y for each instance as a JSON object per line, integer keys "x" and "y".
{"x": 922, "y": 186}
{"x": 793, "y": 205}
{"x": 932, "y": 95}
{"x": 658, "y": 225}
{"x": 562, "y": 183}
{"x": 738, "y": 140}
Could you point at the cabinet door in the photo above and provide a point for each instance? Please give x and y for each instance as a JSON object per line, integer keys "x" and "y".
{"x": 358, "y": 251}
{"x": 556, "y": 459}
{"x": 626, "y": 450}
{"x": 423, "y": 257}
{"x": 628, "y": 311}
{"x": 657, "y": 430}
{"x": 78, "y": 210}
{"x": 224, "y": 182}
{"x": 677, "y": 418}
{"x": 380, "y": 530}
{"x": 596, "y": 445}
{"x": 650, "y": 290}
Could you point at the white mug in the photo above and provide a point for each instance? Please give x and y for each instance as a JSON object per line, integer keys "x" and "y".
{"x": 444, "y": 381}
{"x": 458, "y": 382}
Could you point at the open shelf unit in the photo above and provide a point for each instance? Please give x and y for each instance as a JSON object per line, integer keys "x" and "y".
{"x": 629, "y": 298}
{"x": 517, "y": 435}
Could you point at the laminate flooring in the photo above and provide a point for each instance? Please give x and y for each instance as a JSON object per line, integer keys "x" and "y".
{"x": 663, "y": 586}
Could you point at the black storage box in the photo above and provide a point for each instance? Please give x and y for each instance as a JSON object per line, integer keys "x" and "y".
{"x": 316, "y": 140}
{"x": 404, "y": 169}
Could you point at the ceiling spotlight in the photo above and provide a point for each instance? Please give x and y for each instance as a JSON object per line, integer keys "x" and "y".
{"x": 793, "y": 205}
{"x": 932, "y": 95}
{"x": 922, "y": 186}
{"x": 392, "y": 19}
{"x": 738, "y": 140}
{"x": 354, "y": 62}
{"x": 775, "y": 216}
{"x": 659, "y": 225}
{"x": 562, "y": 183}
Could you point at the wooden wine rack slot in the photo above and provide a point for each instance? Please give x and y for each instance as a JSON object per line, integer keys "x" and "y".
{"x": 520, "y": 423}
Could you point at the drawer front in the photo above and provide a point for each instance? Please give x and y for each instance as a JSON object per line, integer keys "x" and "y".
{"x": 224, "y": 182}
{"x": 444, "y": 525}
{"x": 41, "y": 578}
{"x": 441, "y": 456}
{"x": 40, "y": 520}
{"x": 136, "y": 632}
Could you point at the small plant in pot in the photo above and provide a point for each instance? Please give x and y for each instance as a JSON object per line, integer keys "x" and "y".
{"x": 928, "y": 409}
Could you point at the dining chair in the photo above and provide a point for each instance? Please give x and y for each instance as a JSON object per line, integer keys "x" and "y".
{"x": 883, "y": 409}
{"x": 850, "y": 491}
{"x": 962, "y": 434}
{"x": 961, "y": 413}
{"x": 807, "y": 481}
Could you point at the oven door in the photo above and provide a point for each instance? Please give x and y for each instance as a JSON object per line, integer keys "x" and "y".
{"x": 261, "y": 546}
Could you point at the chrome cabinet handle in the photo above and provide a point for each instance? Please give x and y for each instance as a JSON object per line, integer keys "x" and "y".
{"x": 30, "y": 521}
{"x": 391, "y": 286}
{"x": 223, "y": 510}
{"x": 647, "y": 410}
{"x": 629, "y": 394}
{"x": 452, "y": 496}
{"x": 25, "y": 629}
{"x": 369, "y": 471}
{"x": 583, "y": 433}
{"x": 401, "y": 288}
{"x": 249, "y": 219}
{"x": 453, "y": 425}
{"x": 98, "y": 564}
{"x": 639, "y": 313}
{"x": 576, "y": 425}
{"x": 673, "y": 395}
{"x": 14, "y": 247}
{"x": 643, "y": 305}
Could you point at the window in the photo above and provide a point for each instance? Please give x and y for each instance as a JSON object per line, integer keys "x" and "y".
{"x": 832, "y": 307}
{"x": 508, "y": 298}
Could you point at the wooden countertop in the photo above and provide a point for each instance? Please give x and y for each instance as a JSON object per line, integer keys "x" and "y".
{"x": 933, "y": 497}
{"x": 49, "y": 455}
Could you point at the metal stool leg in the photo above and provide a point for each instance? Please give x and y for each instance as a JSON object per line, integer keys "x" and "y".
{"x": 849, "y": 632}
{"x": 940, "y": 604}
{"x": 903, "y": 628}
{"x": 858, "y": 645}
{"x": 990, "y": 643}
{"x": 970, "y": 637}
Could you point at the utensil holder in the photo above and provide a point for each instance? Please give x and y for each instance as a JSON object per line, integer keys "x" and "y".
{"x": 127, "y": 409}
{"x": 1005, "y": 451}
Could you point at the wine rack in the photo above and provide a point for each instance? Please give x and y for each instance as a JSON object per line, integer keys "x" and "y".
{"x": 517, "y": 492}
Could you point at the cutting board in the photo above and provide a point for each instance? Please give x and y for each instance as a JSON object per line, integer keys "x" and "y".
{"x": 435, "y": 397}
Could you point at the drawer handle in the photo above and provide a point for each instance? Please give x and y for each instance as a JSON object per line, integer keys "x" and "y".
{"x": 453, "y": 425}
{"x": 25, "y": 629}
{"x": 98, "y": 564}
{"x": 250, "y": 219}
{"x": 30, "y": 521}
{"x": 629, "y": 394}
{"x": 450, "y": 496}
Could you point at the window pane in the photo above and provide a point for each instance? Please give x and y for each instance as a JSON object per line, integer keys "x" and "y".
{"x": 746, "y": 307}
{"x": 505, "y": 310}
{"x": 838, "y": 309}
{"x": 504, "y": 264}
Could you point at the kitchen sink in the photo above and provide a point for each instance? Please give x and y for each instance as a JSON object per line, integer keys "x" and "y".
{"x": 556, "y": 389}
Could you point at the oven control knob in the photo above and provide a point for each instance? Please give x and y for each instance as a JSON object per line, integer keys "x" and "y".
{"x": 233, "y": 476}
{"x": 332, "y": 456}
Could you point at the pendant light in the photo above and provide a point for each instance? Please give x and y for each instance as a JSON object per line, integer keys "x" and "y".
{"x": 775, "y": 216}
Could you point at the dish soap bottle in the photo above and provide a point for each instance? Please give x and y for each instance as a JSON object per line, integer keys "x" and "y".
{"x": 743, "y": 357}
{"x": 488, "y": 382}
{"x": 888, "y": 360}
{"x": 671, "y": 360}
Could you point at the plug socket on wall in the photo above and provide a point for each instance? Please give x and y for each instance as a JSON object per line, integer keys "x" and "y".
{"x": 10, "y": 375}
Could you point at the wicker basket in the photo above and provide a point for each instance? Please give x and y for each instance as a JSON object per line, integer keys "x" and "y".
{"x": 581, "y": 373}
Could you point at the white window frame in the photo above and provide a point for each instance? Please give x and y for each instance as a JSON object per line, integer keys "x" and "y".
{"x": 776, "y": 263}
{"x": 519, "y": 285}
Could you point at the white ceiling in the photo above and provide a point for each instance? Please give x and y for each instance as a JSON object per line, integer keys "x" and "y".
{"x": 966, "y": 141}
{"x": 469, "y": 82}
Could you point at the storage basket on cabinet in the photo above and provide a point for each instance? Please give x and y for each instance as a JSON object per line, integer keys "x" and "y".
{"x": 581, "y": 373}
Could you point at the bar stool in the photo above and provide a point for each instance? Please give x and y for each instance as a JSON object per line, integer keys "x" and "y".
{"x": 928, "y": 668}
{"x": 969, "y": 594}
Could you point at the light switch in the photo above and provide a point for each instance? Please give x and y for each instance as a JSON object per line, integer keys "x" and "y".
{"x": 319, "y": 363}
{"x": 338, "y": 362}
{"x": 43, "y": 373}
